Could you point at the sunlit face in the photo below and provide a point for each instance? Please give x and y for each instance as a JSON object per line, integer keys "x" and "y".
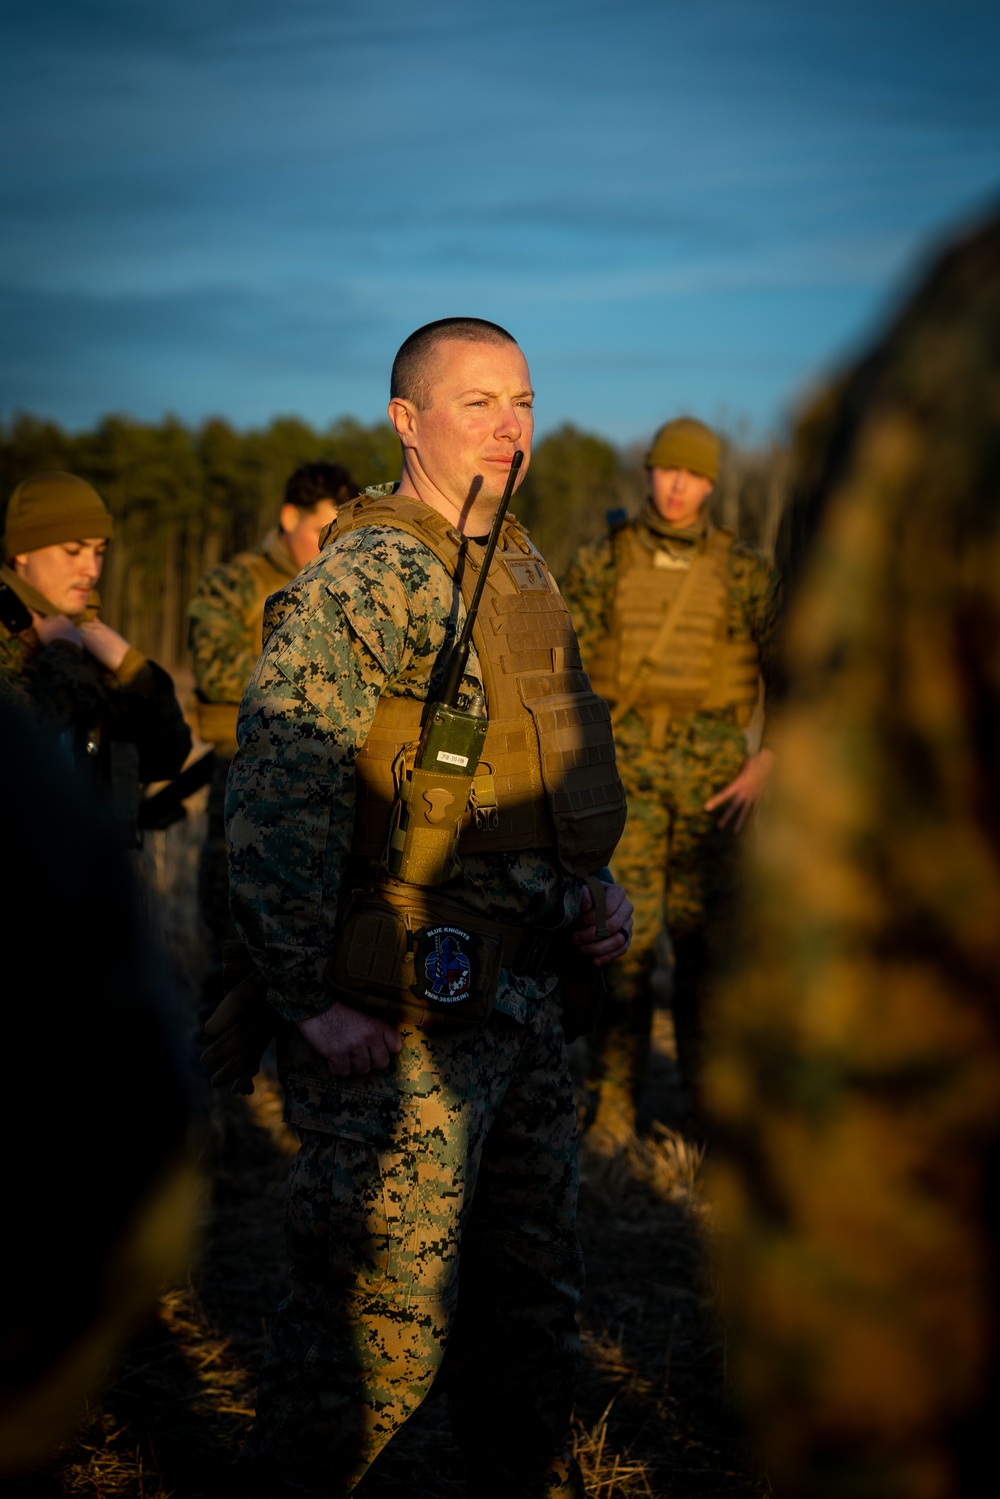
{"x": 678, "y": 494}
{"x": 478, "y": 416}
{"x": 301, "y": 529}
{"x": 65, "y": 573}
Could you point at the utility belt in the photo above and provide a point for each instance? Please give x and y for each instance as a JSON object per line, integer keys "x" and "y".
{"x": 411, "y": 954}
{"x": 404, "y": 955}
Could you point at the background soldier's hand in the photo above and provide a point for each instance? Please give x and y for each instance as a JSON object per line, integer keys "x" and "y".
{"x": 350, "y": 1041}
{"x": 49, "y": 627}
{"x": 619, "y": 919}
{"x": 104, "y": 643}
{"x": 745, "y": 791}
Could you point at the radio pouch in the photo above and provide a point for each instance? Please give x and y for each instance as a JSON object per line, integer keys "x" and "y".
{"x": 427, "y": 821}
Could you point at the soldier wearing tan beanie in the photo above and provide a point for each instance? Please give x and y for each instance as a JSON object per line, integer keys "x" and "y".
{"x": 77, "y": 675}
{"x": 675, "y": 620}
{"x": 51, "y": 508}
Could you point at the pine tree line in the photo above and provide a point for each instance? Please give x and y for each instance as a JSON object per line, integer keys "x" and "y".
{"x": 185, "y": 498}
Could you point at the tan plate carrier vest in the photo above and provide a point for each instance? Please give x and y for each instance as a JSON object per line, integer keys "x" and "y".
{"x": 547, "y": 778}
{"x": 217, "y": 721}
{"x": 668, "y": 650}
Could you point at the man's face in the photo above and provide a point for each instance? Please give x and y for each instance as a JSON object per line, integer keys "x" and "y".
{"x": 678, "y": 494}
{"x": 302, "y": 529}
{"x": 64, "y": 573}
{"x": 479, "y": 415}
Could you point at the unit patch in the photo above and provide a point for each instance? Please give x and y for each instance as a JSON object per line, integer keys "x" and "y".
{"x": 527, "y": 574}
{"x": 446, "y": 963}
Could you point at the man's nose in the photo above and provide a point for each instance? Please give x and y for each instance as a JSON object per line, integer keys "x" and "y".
{"x": 508, "y": 422}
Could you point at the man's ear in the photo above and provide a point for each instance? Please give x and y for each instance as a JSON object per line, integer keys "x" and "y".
{"x": 289, "y": 517}
{"x": 403, "y": 415}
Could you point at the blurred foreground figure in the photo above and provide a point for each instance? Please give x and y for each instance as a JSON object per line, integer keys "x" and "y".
{"x": 98, "y": 1196}
{"x": 226, "y": 620}
{"x": 675, "y": 620}
{"x": 114, "y": 712}
{"x": 854, "y": 1069}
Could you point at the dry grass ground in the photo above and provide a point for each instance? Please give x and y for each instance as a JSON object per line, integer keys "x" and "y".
{"x": 652, "y": 1415}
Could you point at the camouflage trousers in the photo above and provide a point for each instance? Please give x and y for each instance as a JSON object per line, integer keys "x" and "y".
{"x": 677, "y": 866}
{"x": 462, "y": 1154}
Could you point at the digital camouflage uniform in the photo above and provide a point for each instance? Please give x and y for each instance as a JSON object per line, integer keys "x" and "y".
{"x": 674, "y": 860}
{"x": 854, "y": 1068}
{"x": 467, "y": 1141}
{"x": 123, "y": 728}
{"x": 226, "y": 617}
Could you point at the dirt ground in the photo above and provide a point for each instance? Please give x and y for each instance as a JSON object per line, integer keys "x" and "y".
{"x": 652, "y": 1416}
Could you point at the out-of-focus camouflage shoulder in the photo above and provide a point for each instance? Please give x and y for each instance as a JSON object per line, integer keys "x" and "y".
{"x": 223, "y": 637}
{"x": 593, "y": 557}
{"x": 230, "y": 587}
{"x": 755, "y": 598}
{"x": 588, "y": 587}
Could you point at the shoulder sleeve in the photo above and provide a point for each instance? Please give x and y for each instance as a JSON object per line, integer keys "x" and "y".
{"x": 756, "y": 604}
{"x": 224, "y": 647}
{"x": 588, "y": 588}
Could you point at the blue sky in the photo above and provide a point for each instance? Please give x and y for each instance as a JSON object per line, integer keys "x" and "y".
{"x": 238, "y": 208}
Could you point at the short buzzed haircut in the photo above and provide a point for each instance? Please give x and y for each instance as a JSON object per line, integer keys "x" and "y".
{"x": 314, "y": 482}
{"x": 410, "y": 379}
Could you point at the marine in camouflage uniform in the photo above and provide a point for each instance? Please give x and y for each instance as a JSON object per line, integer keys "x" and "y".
{"x": 226, "y": 617}
{"x": 854, "y": 1053}
{"x": 433, "y": 1200}
{"x": 676, "y": 621}
{"x": 115, "y": 712}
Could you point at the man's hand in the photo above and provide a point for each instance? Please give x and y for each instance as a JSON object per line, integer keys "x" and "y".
{"x": 745, "y": 791}
{"x": 351, "y": 1042}
{"x": 104, "y": 643}
{"x": 619, "y": 920}
{"x": 49, "y": 627}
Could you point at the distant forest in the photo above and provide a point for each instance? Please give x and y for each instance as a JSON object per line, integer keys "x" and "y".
{"x": 185, "y": 498}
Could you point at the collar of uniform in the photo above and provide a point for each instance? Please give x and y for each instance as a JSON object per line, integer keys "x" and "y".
{"x": 276, "y": 551}
{"x": 32, "y": 599}
{"x": 675, "y": 538}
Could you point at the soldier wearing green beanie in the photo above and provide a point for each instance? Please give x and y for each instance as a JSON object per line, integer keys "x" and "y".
{"x": 116, "y": 711}
{"x": 675, "y": 620}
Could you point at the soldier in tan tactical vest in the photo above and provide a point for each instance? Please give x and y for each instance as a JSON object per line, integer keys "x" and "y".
{"x": 675, "y": 620}
{"x": 226, "y": 617}
{"x": 412, "y": 904}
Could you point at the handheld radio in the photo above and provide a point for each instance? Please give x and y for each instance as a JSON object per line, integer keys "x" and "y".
{"x": 431, "y": 801}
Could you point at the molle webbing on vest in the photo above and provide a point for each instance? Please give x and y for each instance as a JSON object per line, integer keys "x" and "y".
{"x": 547, "y": 775}
{"x": 668, "y": 646}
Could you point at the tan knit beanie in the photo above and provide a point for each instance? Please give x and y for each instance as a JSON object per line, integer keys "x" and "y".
{"x": 49, "y": 508}
{"x": 686, "y": 443}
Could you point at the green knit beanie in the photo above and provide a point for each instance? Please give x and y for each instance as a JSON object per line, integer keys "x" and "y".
{"x": 686, "y": 443}
{"x": 51, "y": 508}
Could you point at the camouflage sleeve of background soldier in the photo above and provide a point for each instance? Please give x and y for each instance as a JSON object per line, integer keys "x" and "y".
{"x": 588, "y": 588}
{"x": 374, "y": 609}
{"x": 854, "y": 1062}
{"x": 223, "y": 647}
{"x": 755, "y": 605}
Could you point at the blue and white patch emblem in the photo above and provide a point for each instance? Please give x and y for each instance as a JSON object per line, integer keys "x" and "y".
{"x": 445, "y": 962}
